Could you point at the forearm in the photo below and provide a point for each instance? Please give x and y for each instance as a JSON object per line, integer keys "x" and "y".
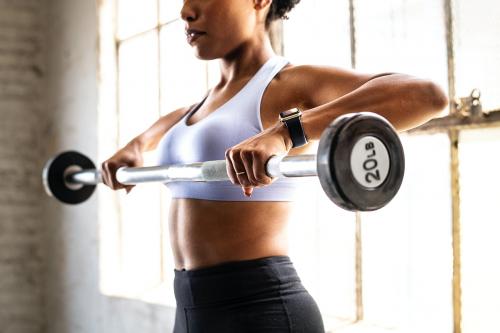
{"x": 149, "y": 139}
{"x": 404, "y": 100}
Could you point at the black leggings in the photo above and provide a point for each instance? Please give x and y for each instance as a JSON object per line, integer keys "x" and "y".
{"x": 259, "y": 295}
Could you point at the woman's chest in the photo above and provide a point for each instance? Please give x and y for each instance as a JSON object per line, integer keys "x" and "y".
{"x": 276, "y": 97}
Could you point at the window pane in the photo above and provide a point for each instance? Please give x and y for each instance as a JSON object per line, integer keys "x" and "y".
{"x": 135, "y": 16}
{"x": 335, "y": 287}
{"x": 407, "y": 257}
{"x": 318, "y": 33}
{"x": 168, "y": 256}
{"x": 477, "y": 49}
{"x": 480, "y": 217}
{"x": 138, "y": 85}
{"x": 109, "y": 240}
{"x": 184, "y": 77}
{"x": 140, "y": 239}
{"x": 405, "y": 36}
{"x": 139, "y": 210}
{"x": 170, "y": 10}
{"x": 322, "y": 244}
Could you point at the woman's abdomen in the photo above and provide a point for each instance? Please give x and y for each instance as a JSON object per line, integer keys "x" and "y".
{"x": 205, "y": 233}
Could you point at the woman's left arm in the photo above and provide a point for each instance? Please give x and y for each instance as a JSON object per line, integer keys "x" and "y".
{"x": 326, "y": 94}
{"x": 404, "y": 100}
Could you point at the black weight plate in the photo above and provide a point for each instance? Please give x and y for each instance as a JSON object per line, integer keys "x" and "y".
{"x": 354, "y": 195}
{"x": 53, "y": 177}
{"x": 326, "y": 169}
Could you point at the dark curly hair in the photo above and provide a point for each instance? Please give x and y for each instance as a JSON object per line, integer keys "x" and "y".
{"x": 279, "y": 9}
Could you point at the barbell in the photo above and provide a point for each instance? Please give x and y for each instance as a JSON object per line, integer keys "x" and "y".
{"x": 359, "y": 162}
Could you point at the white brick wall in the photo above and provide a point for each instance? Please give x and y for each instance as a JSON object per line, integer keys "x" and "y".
{"x": 21, "y": 103}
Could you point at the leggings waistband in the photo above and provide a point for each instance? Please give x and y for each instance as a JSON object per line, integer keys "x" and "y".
{"x": 233, "y": 280}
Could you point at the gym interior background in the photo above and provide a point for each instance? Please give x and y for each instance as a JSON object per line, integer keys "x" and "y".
{"x": 87, "y": 75}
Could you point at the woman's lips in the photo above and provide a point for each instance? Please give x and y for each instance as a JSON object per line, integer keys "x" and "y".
{"x": 193, "y": 35}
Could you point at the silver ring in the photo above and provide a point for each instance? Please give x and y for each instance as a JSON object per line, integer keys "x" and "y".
{"x": 240, "y": 173}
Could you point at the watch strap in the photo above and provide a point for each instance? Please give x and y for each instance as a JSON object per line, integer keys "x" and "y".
{"x": 296, "y": 131}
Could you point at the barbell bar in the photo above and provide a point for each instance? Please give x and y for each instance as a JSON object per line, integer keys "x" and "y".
{"x": 210, "y": 171}
{"x": 359, "y": 162}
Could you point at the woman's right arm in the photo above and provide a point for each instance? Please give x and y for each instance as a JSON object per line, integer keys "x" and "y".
{"x": 131, "y": 154}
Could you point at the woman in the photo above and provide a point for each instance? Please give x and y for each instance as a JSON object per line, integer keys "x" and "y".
{"x": 232, "y": 271}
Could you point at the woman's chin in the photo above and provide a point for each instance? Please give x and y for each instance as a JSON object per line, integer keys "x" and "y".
{"x": 200, "y": 54}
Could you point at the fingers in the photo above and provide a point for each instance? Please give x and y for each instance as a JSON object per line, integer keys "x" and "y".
{"x": 236, "y": 169}
{"x": 247, "y": 168}
{"x": 247, "y": 162}
{"x": 109, "y": 169}
{"x": 109, "y": 175}
{"x": 259, "y": 169}
{"x": 128, "y": 156}
{"x": 129, "y": 188}
{"x": 230, "y": 169}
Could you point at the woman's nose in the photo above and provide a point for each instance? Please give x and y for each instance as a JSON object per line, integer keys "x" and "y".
{"x": 188, "y": 13}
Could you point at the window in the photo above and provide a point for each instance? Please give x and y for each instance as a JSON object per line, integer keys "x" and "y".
{"x": 144, "y": 61}
{"x": 424, "y": 263}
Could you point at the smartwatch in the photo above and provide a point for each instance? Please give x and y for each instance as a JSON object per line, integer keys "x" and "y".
{"x": 291, "y": 119}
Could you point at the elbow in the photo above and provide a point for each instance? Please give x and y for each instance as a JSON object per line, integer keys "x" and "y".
{"x": 435, "y": 98}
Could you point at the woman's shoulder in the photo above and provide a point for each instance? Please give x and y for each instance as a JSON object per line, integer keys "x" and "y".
{"x": 182, "y": 111}
{"x": 177, "y": 114}
{"x": 318, "y": 84}
{"x": 304, "y": 73}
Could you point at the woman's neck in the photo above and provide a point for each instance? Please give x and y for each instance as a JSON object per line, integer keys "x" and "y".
{"x": 245, "y": 60}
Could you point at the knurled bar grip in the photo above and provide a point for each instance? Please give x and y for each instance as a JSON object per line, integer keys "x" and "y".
{"x": 210, "y": 171}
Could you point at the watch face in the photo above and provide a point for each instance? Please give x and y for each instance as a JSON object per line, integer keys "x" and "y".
{"x": 288, "y": 113}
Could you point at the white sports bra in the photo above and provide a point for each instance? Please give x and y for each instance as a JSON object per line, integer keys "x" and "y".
{"x": 208, "y": 139}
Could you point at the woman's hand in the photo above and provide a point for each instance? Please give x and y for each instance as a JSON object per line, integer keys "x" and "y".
{"x": 128, "y": 156}
{"x": 247, "y": 160}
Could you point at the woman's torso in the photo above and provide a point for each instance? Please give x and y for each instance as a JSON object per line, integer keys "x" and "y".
{"x": 205, "y": 232}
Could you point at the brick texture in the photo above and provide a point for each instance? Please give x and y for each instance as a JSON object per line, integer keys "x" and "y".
{"x": 21, "y": 105}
